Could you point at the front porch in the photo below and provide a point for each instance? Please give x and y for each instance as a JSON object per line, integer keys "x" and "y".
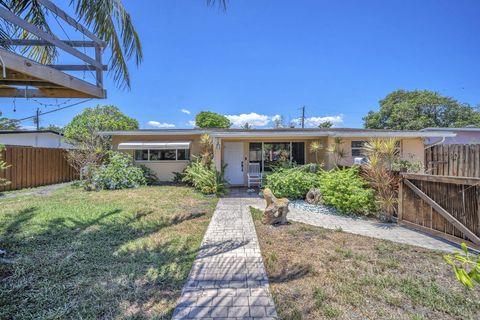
{"x": 237, "y": 156}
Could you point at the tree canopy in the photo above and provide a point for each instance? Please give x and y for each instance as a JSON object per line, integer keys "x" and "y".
{"x": 418, "y": 109}
{"x": 84, "y": 127}
{"x": 208, "y": 119}
{"x": 8, "y": 124}
{"x": 326, "y": 124}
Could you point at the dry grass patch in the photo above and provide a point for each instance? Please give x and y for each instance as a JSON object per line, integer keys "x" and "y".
{"x": 99, "y": 255}
{"x": 317, "y": 273}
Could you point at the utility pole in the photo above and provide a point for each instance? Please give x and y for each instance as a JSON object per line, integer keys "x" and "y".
{"x": 303, "y": 117}
{"x": 37, "y": 118}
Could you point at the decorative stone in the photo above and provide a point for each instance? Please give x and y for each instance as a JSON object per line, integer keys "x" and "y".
{"x": 314, "y": 196}
{"x": 276, "y": 210}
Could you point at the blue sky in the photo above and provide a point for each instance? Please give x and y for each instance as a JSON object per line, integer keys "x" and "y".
{"x": 338, "y": 58}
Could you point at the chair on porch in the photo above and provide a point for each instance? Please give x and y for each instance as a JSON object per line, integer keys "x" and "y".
{"x": 254, "y": 174}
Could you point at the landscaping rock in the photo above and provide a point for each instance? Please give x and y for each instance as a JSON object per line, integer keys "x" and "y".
{"x": 314, "y": 196}
{"x": 276, "y": 210}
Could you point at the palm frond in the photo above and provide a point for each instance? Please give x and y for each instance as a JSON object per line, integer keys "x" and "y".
{"x": 105, "y": 17}
{"x": 222, "y": 4}
{"x": 32, "y": 12}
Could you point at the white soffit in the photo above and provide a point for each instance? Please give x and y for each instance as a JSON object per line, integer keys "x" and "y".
{"x": 154, "y": 145}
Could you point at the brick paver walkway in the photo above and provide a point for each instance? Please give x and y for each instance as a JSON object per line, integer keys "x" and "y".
{"x": 228, "y": 279}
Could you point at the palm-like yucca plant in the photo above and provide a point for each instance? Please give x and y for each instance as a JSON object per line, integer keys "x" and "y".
{"x": 315, "y": 148}
{"x": 381, "y": 154}
{"x": 336, "y": 150}
{"x": 206, "y": 143}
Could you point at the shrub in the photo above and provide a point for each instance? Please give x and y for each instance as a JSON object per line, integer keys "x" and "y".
{"x": 118, "y": 173}
{"x": 205, "y": 178}
{"x": 345, "y": 190}
{"x": 149, "y": 175}
{"x": 293, "y": 183}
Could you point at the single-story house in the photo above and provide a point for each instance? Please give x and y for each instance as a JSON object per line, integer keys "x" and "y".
{"x": 166, "y": 151}
{"x": 463, "y": 136}
{"x": 34, "y": 138}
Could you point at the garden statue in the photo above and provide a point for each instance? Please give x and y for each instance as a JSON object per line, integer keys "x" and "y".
{"x": 314, "y": 196}
{"x": 276, "y": 210}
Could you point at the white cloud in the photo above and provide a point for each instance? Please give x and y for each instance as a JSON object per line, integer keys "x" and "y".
{"x": 191, "y": 123}
{"x": 185, "y": 111}
{"x": 277, "y": 117}
{"x": 160, "y": 124}
{"x": 253, "y": 119}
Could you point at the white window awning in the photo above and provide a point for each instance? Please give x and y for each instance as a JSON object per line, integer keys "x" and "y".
{"x": 154, "y": 145}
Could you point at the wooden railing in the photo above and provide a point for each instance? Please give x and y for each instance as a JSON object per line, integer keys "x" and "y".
{"x": 33, "y": 167}
{"x": 444, "y": 206}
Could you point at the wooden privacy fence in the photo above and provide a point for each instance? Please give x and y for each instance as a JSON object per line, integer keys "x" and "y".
{"x": 461, "y": 160}
{"x": 32, "y": 167}
{"x": 444, "y": 206}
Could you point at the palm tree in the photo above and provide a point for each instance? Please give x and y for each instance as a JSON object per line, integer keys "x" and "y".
{"x": 247, "y": 126}
{"x": 108, "y": 19}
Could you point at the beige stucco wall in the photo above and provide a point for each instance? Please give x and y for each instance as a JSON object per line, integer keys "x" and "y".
{"x": 411, "y": 149}
{"x": 163, "y": 169}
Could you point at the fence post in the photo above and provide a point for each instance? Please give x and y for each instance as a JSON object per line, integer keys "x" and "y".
{"x": 400, "y": 200}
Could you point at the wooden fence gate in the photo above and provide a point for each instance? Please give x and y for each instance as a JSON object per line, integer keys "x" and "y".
{"x": 461, "y": 160}
{"x": 33, "y": 167}
{"x": 444, "y": 206}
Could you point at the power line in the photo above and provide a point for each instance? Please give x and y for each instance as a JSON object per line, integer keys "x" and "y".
{"x": 38, "y": 114}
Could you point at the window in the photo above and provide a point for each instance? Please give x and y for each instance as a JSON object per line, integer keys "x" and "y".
{"x": 162, "y": 155}
{"x": 276, "y": 154}
{"x": 357, "y": 148}
{"x": 141, "y": 155}
{"x": 183, "y": 154}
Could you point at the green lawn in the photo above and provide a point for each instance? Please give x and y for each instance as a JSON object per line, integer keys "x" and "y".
{"x": 99, "y": 255}
{"x": 317, "y": 273}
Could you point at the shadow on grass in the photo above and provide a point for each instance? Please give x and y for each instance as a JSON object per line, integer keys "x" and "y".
{"x": 100, "y": 268}
{"x": 293, "y": 272}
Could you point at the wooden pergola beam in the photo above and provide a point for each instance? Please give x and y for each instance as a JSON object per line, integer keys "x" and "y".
{"x": 65, "y": 17}
{"x": 37, "y": 42}
{"x": 6, "y": 92}
{"x": 34, "y": 83}
{"x": 37, "y": 71}
{"x": 12, "y": 18}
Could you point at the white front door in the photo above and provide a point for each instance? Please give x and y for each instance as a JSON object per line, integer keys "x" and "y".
{"x": 233, "y": 158}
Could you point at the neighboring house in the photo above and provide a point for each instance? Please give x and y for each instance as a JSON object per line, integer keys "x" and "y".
{"x": 34, "y": 138}
{"x": 464, "y": 136}
{"x": 166, "y": 151}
